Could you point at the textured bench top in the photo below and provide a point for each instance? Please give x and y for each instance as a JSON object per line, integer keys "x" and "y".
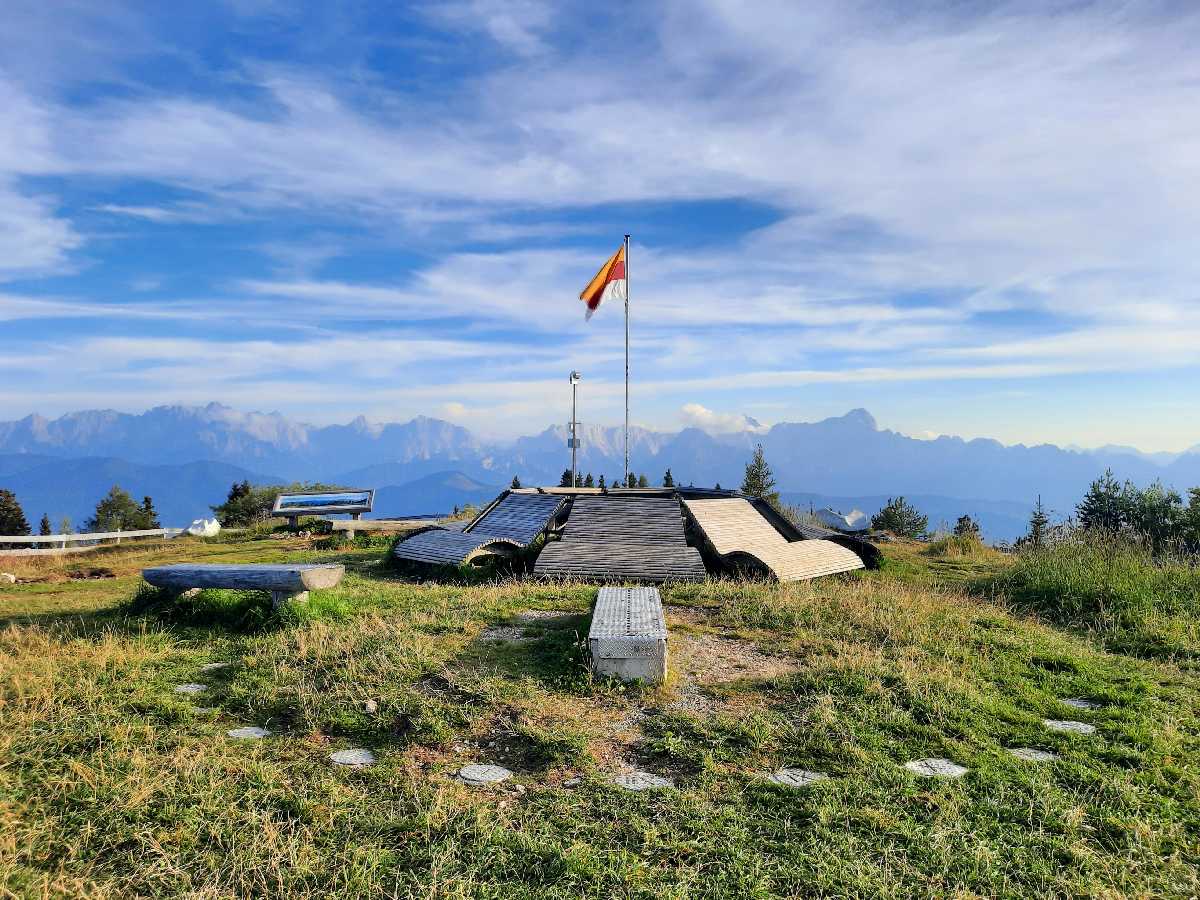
{"x": 277, "y": 577}
{"x": 625, "y": 613}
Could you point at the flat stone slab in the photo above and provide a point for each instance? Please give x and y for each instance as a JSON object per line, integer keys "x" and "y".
{"x": 1069, "y": 727}
{"x": 249, "y": 733}
{"x": 935, "y": 767}
{"x": 477, "y": 775}
{"x": 796, "y": 778}
{"x": 214, "y": 666}
{"x": 1080, "y": 703}
{"x": 191, "y": 688}
{"x": 1030, "y": 754}
{"x": 353, "y": 759}
{"x": 641, "y": 781}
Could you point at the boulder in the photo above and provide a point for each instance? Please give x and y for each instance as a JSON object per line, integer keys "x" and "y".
{"x": 204, "y": 528}
{"x": 6, "y": 578}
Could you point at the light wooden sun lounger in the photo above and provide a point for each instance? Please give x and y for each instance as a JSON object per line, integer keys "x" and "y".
{"x": 738, "y": 532}
{"x": 615, "y": 538}
{"x": 511, "y": 523}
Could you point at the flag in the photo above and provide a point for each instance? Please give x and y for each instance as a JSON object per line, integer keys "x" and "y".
{"x": 609, "y": 283}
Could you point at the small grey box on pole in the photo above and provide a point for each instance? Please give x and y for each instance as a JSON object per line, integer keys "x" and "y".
{"x": 573, "y": 441}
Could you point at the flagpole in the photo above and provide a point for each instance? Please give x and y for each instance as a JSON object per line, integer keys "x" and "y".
{"x": 627, "y": 360}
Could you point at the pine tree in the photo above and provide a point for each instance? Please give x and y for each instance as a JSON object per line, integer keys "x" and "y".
{"x": 643, "y": 481}
{"x": 759, "y": 481}
{"x": 64, "y": 527}
{"x": 1102, "y": 508}
{"x": 718, "y": 487}
{"x": 116, "y": 512}
{"x": 668, "y": 479}
{"x": 1038, "y": 523}
{"x": 616, "y": 482}
{"x": 589, "y": 481}
{"x": 602, "y": 485}
{"x": 516, "y": 482}
{"x": 565, "y": 481}
{"x": 12, "y": 517}
{"x": 630, "y": 480}
{"x": 44, "y": 527}
{"x": 900, "y": 518}
{"x": 966, "y": 527}
{"x": 149, "y": 516}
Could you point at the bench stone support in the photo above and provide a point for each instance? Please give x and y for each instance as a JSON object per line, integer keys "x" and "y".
{"x": 283, "y": 598}
{"x": 628, "y": 637}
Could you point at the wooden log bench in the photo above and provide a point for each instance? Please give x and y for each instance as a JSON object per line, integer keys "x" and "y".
{"x": 286, "y": 582}
{"x": 628, "y": 637}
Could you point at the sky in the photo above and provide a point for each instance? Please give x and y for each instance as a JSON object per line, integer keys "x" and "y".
{"x": 970, "y": 218}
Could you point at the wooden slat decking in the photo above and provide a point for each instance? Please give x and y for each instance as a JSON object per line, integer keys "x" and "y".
{"x": 519, "y": 517}
{"x": 509, "y": 524}
{"x": 735, "y": 529}
{"x": 623, "y": 539}
{"x": 451, "y": 548}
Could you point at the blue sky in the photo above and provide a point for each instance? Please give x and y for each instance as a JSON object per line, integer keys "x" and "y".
{"x": 973, "y": 219}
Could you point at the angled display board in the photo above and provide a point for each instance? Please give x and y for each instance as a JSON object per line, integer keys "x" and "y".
{"x": 323, "y": 503}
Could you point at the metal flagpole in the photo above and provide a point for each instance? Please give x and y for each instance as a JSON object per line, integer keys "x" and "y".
{"x": 626, "y": 360}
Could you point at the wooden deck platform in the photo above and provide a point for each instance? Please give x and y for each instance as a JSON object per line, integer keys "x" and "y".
{"x": 611, "y": 538}
{"x": 738, "y": 532}
{"x": 511, "y": 523}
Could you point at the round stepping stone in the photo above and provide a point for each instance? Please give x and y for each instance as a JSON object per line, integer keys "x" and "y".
{"x": 641, "y": 781}
{"x": 212, "y": 667}
{"x": 477, "y": 775}
{"x": 795, "y": 778}
{"x": 354, "y": 759}
{"x": 1066, "y": 725}
{"x": 934, "y": 767}
{"x": 191, "y": 688}
{"x": 1080, "y": 703}
{"x": 249, "y": 733}
{"x": 1029, "y": 754}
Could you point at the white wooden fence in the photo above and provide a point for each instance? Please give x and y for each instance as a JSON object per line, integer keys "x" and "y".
{"x": 58, "y": 542}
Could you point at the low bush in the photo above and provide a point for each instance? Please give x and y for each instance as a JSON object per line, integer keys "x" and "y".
{"x": 1112, "y": 586}
{"x": 968, "y": 544}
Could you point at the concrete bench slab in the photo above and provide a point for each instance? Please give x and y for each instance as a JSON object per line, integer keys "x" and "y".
{"x": 285, "y": 582}
{"x": 628, "y": 637}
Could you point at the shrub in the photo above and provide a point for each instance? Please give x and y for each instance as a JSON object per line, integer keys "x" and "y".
{"x": 249, "y": 504}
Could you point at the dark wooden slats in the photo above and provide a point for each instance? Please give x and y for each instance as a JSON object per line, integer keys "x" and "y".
{"x": 620, "y": 562}
{"x": 621, "y": 539}
{"x": 451, "y": 547}
{"x": 520, "y": 517}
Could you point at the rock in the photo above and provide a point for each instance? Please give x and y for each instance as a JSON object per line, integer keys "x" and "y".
{"x": 204, "y": 528}
{"x": 6, "y": 578}
{"x": 353, "y": 759}
{"x": 371, "y": 706}
{"x": 935, "y": 767}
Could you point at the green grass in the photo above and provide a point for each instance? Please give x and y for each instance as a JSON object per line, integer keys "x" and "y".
{"x": 1132, "y": 602}
{"x": 112, "y": 784}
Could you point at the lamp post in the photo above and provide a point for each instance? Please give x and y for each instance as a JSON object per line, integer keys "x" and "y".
{"x": 573, "y": 441}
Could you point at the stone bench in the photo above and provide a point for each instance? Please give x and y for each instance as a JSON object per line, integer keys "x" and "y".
{"x": 285, "y": 582}
{"x": 628, "y": 637}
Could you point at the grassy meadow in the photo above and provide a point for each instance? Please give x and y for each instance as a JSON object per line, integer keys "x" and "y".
{"x": 112, "y": 784}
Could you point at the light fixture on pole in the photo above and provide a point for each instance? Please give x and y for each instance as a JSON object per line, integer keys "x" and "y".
{"x": 573, "y": 440}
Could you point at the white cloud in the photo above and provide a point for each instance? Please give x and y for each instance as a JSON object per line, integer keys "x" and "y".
{"x": 693, "y": 415}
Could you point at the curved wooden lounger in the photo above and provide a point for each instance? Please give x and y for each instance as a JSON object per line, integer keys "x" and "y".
{"x": 737, "y": 532}
{"x": 453, "y": 548}
{"x": 510, "y": 523}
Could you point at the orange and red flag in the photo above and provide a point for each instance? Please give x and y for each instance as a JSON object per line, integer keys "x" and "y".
{"x": 609, "y": 283}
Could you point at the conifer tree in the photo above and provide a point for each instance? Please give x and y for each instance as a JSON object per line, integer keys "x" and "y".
{"x": 117, "y": 511}
{"x": 668, "y": 479}
{"x": 1038, "y": 523}
{"x": 44, "y": 527}
{"x": 516, "y": 482}
{"x": 1102, "y": 508}
{"x": 602, "y": 485}
{"x": 589, "y": 481}
{"x": 901, "y": 518}
{"x": 759, "y": 480}
{"x": 149, "y": 516}
{"x": 565, "y": 481}
{"x": 12, "y": 517}
{"x": 966, "y": 527}
{"x": 643, "y": 481}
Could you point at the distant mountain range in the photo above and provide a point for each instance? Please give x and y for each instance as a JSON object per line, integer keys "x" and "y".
{"x": 186, "y": 457}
